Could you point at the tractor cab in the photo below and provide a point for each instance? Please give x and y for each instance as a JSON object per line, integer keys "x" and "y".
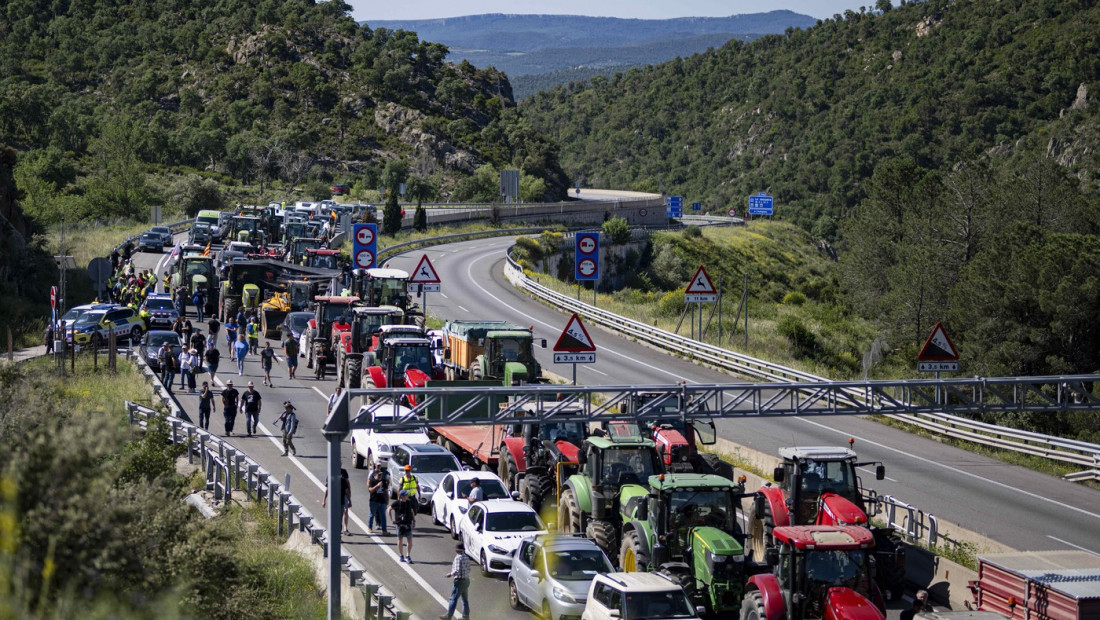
{"x": 367, "y": 323}
{"x": 322, "y": 259}
{"x": 382, "y": 287}
{"x": 247, "y": 229}
{"x": 611, "y": 464}
{"x": 817, "y": 479}
{"x": 299, "y": 246}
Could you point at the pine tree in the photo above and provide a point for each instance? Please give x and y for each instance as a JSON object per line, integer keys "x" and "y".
{"x": 391, "y": 215}
{"x": 420, "y": 221}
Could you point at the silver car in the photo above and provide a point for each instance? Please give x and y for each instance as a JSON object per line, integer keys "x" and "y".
{"x": 429, "y": 462}
{"x": 551, "y": 575}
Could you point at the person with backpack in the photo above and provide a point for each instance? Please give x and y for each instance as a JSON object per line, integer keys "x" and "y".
{"x": 403, "y": 513}
{"x": 288, "y": 422}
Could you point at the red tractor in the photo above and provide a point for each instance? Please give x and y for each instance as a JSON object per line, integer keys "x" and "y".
{"x": 333, "y": 313}
{"x": 349, "y": 346}
{"x": 821, "y": 572}
{"x": 820, "y": 486}
{"x": 536, "y": 459}
{"x": 402, "y": 361}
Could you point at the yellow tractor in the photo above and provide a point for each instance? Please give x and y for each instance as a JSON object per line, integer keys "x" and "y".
{"x": 295, "y": 296}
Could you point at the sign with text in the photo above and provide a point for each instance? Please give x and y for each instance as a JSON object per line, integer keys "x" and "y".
{"x": 574, "y": 358}
{"x": 938, "y": 366}
{"x": 700, "y": 289}
{"x": 574, "y": 338}
{"x": 761, "y": 204}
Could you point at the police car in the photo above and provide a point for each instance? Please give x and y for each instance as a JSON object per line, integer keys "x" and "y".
{"x": 95, "y": 326}
{"x": 162, "y": 312}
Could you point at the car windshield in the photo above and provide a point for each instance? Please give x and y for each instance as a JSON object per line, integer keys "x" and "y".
{"x": 828, "y": 476}
{"x": 512, "y": 522}
{"x": 628, "y": 465}
{"x": 388, "y": 292}
{"x": 665, "y": 604}
{"x": 298, "y": 322}
{"x": 150, "y": 237}
{"x": 161, "y": 229}
{"x": 158, "y": 340}
{"x": 90, "y": 318}
{"x": 434, "y": 463}
{"x": 159, "y": 304}
{"x": 493, "y": 489}
{"x": 835, "y": 568}
{"x": 199, "y": 267}
{"x": 72, "y": 315}
{"x": 577, "y": 565}
{"x": 569, "y": 431}
{"x": 369, "y": 323}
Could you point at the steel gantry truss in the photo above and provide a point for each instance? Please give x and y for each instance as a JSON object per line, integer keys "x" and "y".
{"x": 466, "y": 403}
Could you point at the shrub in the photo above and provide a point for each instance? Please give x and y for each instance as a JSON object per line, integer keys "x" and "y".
{"x": 801, "y": 340}
{"x": 671, "y": 304}
{"x": 617, "y": 230}
{"x": 693, "y": 232}
{"x": 794, "y": 298}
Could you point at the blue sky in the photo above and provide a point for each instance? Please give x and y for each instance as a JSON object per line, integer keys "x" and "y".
{"x": 641, "y": 9}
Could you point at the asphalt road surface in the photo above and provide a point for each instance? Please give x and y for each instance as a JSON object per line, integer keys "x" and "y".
{"x": 1021, "y": 508}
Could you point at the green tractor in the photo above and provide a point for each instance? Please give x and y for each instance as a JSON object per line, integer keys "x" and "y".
{"x": 612, "y": 472}
{"x": 687, "y": 529}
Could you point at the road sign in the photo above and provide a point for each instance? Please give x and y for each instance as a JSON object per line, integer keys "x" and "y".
{"x": 425, "y": 272}
{"x": 53, "y": 297}
{"x": 587, "y": 256}
{"x": 364, "y": 259}
{"x": 938, "y": 366}
{"x": 574, "y": 338}
{"x": 574, "y": 358}
{"x": 701, "y": 289}
{"x": 761, "y": 204}
{"x": 676, "y": 201}
{"x": 424, "y": 288}
{"x": 99, "y": 269}
{"x": 696, "y": 206}
{"x": 643, "y": 212}
{"x": 939, "y": 347}
{"x": 732, "y": 212}
{"x": 364, "y": 245}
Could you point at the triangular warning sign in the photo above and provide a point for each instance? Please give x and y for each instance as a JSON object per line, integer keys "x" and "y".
{"x": 574, "y": 338}
{"x": 424, "y": 272}
{"x": 701, "y": 284}
{"x": 939, "y": 347}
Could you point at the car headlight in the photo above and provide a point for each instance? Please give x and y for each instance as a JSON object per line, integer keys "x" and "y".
{"x": 563, "y": 595}
{"x": 427, "y": 490}
{"x": 382, "y": 447}
{"x": 496, "y": 549}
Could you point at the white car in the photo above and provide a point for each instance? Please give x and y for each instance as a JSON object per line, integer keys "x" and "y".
{"x": 371, "y": 446}
{"x": 492, "y": 531}
{"x": 637, "y": 596}
{"x": 449, "y": 502}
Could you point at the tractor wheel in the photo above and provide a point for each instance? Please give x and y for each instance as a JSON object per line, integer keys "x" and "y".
{"x": 506, "y": 468}
{"x": 475, "y": 373}
{"x": 231, "y": 307}
{"x": 752, "y": 607}
{"x": 539, "y": 489}
{"x": 716, "y": 466}
{"x": 603, "y": 532}
{"x": 761, "y": 533}
{"x": 569, "y": 514}
{"x": 354, "y": 374}
{"x": 890, "y": 567}
{"x": 633, "y": 557}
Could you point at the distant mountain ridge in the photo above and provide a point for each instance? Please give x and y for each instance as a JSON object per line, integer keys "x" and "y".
{"x": 531, "y": 47}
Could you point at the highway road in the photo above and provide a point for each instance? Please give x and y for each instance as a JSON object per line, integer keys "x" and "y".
{"x": 1021, "y": 508}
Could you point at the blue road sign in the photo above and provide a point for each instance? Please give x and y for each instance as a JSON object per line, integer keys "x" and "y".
{"x": 587, "y": 256}
{"x": 675, "y": 201}
{"x": 364, "y": 245}
{"x": 674, "y": 211}
{"x": 696, "y": 206}
{"x": 761, "y": 204}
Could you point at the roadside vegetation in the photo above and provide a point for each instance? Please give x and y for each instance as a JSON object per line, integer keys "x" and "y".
{"x": 92, "y": 521}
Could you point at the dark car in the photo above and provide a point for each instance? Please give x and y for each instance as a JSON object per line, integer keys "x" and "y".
{"x": 200, "y": 234}
{"x": 295, "y": 323}
{"x": 150, "y": 242}
{"x": 164, "y": 232}
{"x": 162, "y": 312}
{"x": 153, "y": 341}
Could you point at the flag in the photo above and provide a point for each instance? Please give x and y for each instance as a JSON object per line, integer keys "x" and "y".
{"x": 206, "y": 252}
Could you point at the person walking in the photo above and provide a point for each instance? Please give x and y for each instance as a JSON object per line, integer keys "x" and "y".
{"x": 251, "y": 403}
{"x": 206, "y": 403}
{"x": 48, "y": 337}
{"x": 290, "y": 349}
{"x": 230, "y": 333}
{"x": 167, "y": 361}
{"x": 189, "y": 359}
{"x": 212, "y": 328}
{"x": 460, "y": 574}
{"x": 409, "y": 483}
{"x": 240, "y": 352}
{"x": 335, "y": 397}
{"x": 253, "y": 330}
{"x": 345, "y": 497}
{"x": 378, "y": 487}
{"x": 213, "y": 357}
{"x": 199, "y": 299}
{"x": 187, "y": 330}
{"x": 230, "y": 402}
{"x": 267, "y": 359}
{"x": 177, "y": 327}
{"x": 288, "y": 422}
{"x": 403, "y": 514}
{"x": 198, "y": 341}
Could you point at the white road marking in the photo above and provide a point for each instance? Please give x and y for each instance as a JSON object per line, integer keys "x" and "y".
{"x": 596, "y": 371}
{"x": 868, "y": 471}
{"x": 464, "y": 309}
{"x": 1072, "y": 545}
{"x": 954, "y": 469}
{"x": 444, "y": 296}
{"x": 470, "y": 275}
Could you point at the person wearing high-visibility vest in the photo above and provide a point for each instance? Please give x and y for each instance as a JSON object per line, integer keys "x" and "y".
{"x": 409, "y": 483}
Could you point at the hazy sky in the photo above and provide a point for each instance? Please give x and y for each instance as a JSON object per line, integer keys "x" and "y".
{"x": 641, "y": 9}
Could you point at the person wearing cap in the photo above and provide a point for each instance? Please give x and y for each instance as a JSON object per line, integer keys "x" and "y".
{"x": 476, "y": 494}
{"x": 251, "y": 402}
{"x": 460, "y": 573}
{"x": 403, "y": 513}
{"x": 206, "y": 403}
{"x": 230, "y": 400}
{"x": 409, "y": 483}
{"x": 288, "y": 422}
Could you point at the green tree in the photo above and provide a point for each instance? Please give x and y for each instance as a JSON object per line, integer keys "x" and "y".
{"x": 193, "y": 193}
{"x": 617, "y": 230}
{"x": 420, "y": 219}
{"x": 391, "y": 215}
{"x": 116, "y": 185}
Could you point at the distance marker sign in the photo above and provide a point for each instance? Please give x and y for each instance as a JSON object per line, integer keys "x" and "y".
{"x": 574, "y": 346}
{"x": 364, "y": 245}
{"x": 587, "y": 255}
{"x": 424, "y": 277}
{"x": 700, "y": 289}
{"x": 939, "y": 353}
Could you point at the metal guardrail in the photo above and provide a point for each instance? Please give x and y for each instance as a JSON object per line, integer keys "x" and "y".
{"x": 228, "y": 471}
{"x": 1047, "y": 446}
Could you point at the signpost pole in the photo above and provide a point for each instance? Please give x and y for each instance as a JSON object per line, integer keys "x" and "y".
{"x": 574, "y": 374}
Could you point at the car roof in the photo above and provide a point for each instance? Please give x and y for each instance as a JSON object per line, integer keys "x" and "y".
{"x": 640, "y": 582}
{"x": 507, "y": 505}
{"x": 480, "y": 475}
{"x": 564, "y": 542}
{"x": 418, "y": 449}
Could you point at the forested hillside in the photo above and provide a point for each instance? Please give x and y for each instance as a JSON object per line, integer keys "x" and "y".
{"x": 948, "y": 150}
{"x": 112, "y": 104}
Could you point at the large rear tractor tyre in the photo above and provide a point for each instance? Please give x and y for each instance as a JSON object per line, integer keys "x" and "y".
{"x": 539, "y": 489}
{"x": 633, "y": 557}
{"x": 752, "y": 606}
{"x": 761, "y": 534}
{"x": 603, "y": 533}
{"x": 716, "y": 466}
{"x": 354, "y": 374}
{"x": 890, "y": 563}
{"x": 231, "y": 307}
{"x": 569, "y": 514}
{"x": 506, "y": 468}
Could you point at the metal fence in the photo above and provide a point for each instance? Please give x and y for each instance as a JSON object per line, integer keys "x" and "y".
{"x": 1047, "y": 446}
{"x": 231, "y": 474}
